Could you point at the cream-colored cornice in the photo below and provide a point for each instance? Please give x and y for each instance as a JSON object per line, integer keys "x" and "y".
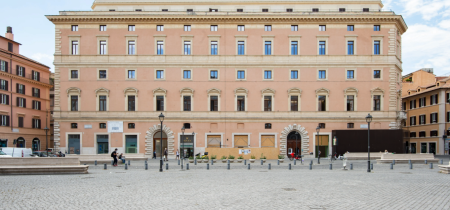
{"x": 147, "y": 18}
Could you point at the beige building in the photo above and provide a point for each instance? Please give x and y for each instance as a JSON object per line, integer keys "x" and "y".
{"x": 256, "y": 74}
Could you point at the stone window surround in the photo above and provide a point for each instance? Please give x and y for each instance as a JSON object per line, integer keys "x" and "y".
{"x": 353, "y": 38}
{"x": 326, "y": 74}
{"x": 269, "y": 134}
{"x": 298, "y": 74}
{"x": 98, "y": 75}
{"x": 102, "y": 38}
{"x": 241, "y": 134}
{"x": 265, "y": 38}
{"x": 159, "y": 92}
{"x": 130, "y": 91}
{"x": 135, "y": 74}
{"x": 101, "y": 92}
{"x": 70, "y": 74}
{"x": 241, "y": 38}
{"x": 213, "y": 134}
{"x": 381, "y": 73}
{"x": 187, "y": 38}
{"x": 218, "y": 74}
{"x": 160, "y": 37}
{"x": 272, "y": 74}
{"x": 294, "y": 92}
{"x": 294, "y": 38}
{"x": 267, "y": 92}
{"x": 124, "y": 139}
{"x": 322, "y": 134}
{"x": 95, "y": 141}
{"x": 322, "y": 38}
{"x": 186, "y": 92}
{"x": 74, "y": 38}
{"x": 236, "y": 74}
{"x": 377, "y": 38}
{"x": 67, "y": 141}
{"x": 351, "y": 91}
{"x": 213, "y": 92}
{"x": 241, "y": 92}
{"x": 323, "y": 92}
{"x": 377, "y": 91}
{"x": 73, "y": 91}
{"x": 354, "y": 74}
{"x": 210, "y": 39}
{"x": 164, "y": 76}
{"x": 182, "y": 74}
{"x": 131, "y": 38}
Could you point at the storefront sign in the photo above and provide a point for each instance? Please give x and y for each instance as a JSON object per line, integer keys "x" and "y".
{"x": 244, "y": 151}
{"x": 115, "y": 126}
{"x": 15, "y": 130}
{"x": 363, "y": 126}
{"x": 187, "y": 141}
{"x": 88, "y": 126}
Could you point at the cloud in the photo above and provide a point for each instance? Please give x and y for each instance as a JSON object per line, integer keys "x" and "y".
{"x": 427, "y": 8}
{"x": 445, "y": 24}
{"x": 387, "y": 4}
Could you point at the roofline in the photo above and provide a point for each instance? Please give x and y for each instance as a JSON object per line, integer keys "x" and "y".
{"x": 24, "y": 57}
{"x": 425, "y": 91}
{"x": 10, "y": 40}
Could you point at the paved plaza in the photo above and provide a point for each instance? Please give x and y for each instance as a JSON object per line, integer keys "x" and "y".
{"x": 238, "y": 188}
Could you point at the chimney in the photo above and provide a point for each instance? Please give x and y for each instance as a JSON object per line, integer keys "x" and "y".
{"x": 9, "y": 34}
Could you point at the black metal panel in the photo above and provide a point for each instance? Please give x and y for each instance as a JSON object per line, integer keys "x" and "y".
{"x": 380, "y": 140}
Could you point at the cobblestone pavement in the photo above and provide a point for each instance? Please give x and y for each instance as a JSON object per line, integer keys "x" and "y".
{"x": 238, "y": 188}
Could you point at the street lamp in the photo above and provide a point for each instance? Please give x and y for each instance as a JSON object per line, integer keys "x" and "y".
{"x": 318, "y": 146}
{"x": 182, "y": 149}
{"x": 161, "y": 119}
{"x": 368, "y": 120}
{"x": 46, "y": 141}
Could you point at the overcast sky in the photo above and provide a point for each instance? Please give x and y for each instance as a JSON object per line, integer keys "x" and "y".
{"x": 426, "y": 44}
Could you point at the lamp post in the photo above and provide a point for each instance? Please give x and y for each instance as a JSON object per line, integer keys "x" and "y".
{"x": 296, "y": 139}
{"x": 161, "y": 119}
{"x": 181, "y": 149}
{"x": 368, "y": 120}
{"x": 318, "y": 146}
{"x": 46, "y": 141}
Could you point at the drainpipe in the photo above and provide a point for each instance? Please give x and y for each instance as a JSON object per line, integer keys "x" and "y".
{"x": 10, "y": 71}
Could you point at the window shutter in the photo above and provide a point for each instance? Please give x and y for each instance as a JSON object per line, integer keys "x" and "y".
{"x": 436, "y": 98}
{"x": 39, "y": 76}
{"x": 7, "y": 120}
{"x": 32, "y": 74}
{"x": 424, "y": 101}
{"x": 33, "y": 123}
{"x": 1, "y": 120}
{"x": 23, "y": 71}
{"x": 17, "y": 101}
{"x": 39, "y": 122}
{"x": 32, "y": 105}
{"x": 32, "y": 91}
{"x": 424, "y": 119}
{"x": 39, "y": 93}
{"x": 24, "y": 103}
{"x": 7, "y": 99}
{"x": 6, "y": 83}
{"x": 39, "y": 105}
{"x": 17, "y": 87}
{"x": 431, "y": 118}
{"x": 24, "y": 89}
{"x": 6, "y": 66}
{"x": 17, "y": 69}
{"x": 420, "y": 104}
{"x": 437, "y": 120}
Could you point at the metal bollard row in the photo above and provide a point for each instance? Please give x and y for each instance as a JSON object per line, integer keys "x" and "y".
{"x": 187, "y": 166}
{"x": 126, "y": 166}
{"x": 270, "y": 167}
{"x": 167, "y": 166}
{"x": 351, "y": 166}
{"x": 392, "y": 166}
{"x": 207, "y": 166}
{"x": 431, "y": 165}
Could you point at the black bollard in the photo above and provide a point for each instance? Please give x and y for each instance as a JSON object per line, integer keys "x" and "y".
{"x": 411, "y": 166}
{"x": 126, "y": 166}
{"x": 331, "y": 166}
{"x": 167, "y": 166}
{"x": 228, "y": 167}
{"x": 112, "y": 162}
{"x": 311, "y": 162}
{"x": 289, "y": 166}
{"x": 431, "y": 165}
{"x": 393, "y": 162}
{"x": 95, "y": 162}
{"x": 129, "y": 162}
{"x": 278, "y": 162}
{"x": 146, "y": 166}
{"x": 441, "y": 161}
{"x": 261, "y": 162}
{"x": 207, "y": 166}
{"x": 371, "y": 166}
{"x": 195, "y": 162}
{"x": 295, "y": 162}
{"x": 245, "y": 162}
{"x": 212, "y": 162}
{"x": 228, "y": 162}
{"x": 310, "y": 166}
{"x": 178, "y": 162}
{"x": 270, "y": 167}
{"x": 351, "y": 166}
{"x": 392, "y": 166}
{"x": 187, "y": 166}
{"x": 249, "y": 166}
{"x": 145, "y": 162}
{"x": 426, "y": 162}
{"x": 105, "y": 167}
{"x": 409, "y": 162}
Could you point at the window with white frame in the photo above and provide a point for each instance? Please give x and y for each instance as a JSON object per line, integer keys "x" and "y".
{"x": 102, "y": 74}
{"x": 214, "y": 74}
{"x": 102, "y": 103}
{"x": 241, "y": 27}
{"x": 102, "y": 47}
{"x": 36, "y": 105}
{"x": 75, "y": 47}
{"x": 131, "y": 28}
{"x": 131, "y": 74}
{"x": 267, "y": 74}
{"x": 159, "y": 74}
{"x": 131, "y": 47}
{"x": 294, "y": 27}
{"x": 73, "y": 103}
{"x": 322, "y": 100}
{"x": 73, "y": 74}
{"x": 434, "y": 118}
{"x": 350, "y": 74}
{"x": 240, "y": 74}
{"x": 214, "y": 47}
{"x": 322, "y": 27}
{"x": 187, "y": 47}
{"x": 267, "y": 47}
{"x": 21, "y": 102}
{"x": 322, "y": 74}
{"x": 102, "y": 27}
{"x": 3, "y": 66}
{"x": 376, "y": 102}
{"x": 187, "y": 27}
{"x": 214, "y": 27}
{"x": 74, "y": 27}
{"x": 294, "y": 47}
{"x": 187, "y": 74}
{"x": 268, "y": 28}
{"x": 160, "y": 47}
{"x": 4, "y": 99}
{"x": 241, "y": 47}
{"x": 377, "y": 74}
{"x": 294, "y": 74}
{"x": 422, "y": 120}
{"x": 160, "y": 28}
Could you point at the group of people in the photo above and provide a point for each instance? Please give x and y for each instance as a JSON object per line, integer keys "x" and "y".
{"x": 165, "y": 155}
{"x": 114, "y": 156}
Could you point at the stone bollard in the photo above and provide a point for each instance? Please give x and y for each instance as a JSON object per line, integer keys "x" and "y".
{"x": 270, "y": 167}
{"x": 331, "y": 166}
{"x": 262, "y": 162}
{"x": 411, "y": 166}
{"x": 112, "y": 162}
{"x": 95, "y": 162}
{"x": 228, "y": 165}
{"x": 295, "y": 162}
{"x": 441, "y": 161}
{"x": 409, "y": 161}
{"x": 146, "y": 166}
{"x": 105, "y": 167}
{"x": 129, "y": 162}
{"x": 392, "y": 166}
{"x": 167, "y": 166}
{"x": 187, "y": 166}
{"x": 249, "y": 166}
{"x": 178, "y": 162}
{"x": 431, "y": 165}
{"x": 371, "y": 166}
{"x": 393, "y": 162}
{"x": 426, "y": 162}
{"x": 126, "y": 166}
{"x": 195, "y": 161}
{"x": 351, "y": 166}
{"x": 289, "y": 166}
{"x": 207, "y": 166}
{"x": 278, "y": 162}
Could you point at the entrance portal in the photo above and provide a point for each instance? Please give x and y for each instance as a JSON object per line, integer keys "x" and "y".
{"x": 157, "y": 143}
{"x": 294, "y": 143}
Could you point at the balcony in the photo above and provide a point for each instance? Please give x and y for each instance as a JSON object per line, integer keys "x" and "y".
{"x": 30, "y": 77}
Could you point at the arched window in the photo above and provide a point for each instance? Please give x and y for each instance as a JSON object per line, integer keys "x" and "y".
{"x": 20, "y": 142}
{"x": 102, "y": 95}
{"x": 322, "y": 95}
{"x": 159, "y": 99}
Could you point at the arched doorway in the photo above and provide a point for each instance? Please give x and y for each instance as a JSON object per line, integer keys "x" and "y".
{"x": 157, "y": 142}
{"x": 20, "y": 142}
{"x": 294, "y": 143}
{"x": 36, "y": 145}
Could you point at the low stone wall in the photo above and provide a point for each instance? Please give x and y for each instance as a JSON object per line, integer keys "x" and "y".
{"x": 270, "y": 153}
{"x": 362, "y": 156}
{"x": 32, "y": 161}
{"x": 32, "y": 166}
{"x": 406, "y": 158}
{"x": 106, "y": 158}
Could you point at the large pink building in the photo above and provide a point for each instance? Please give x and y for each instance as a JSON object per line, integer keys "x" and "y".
{"x": 24, "y": 98}
{"x": 254, "y": 74}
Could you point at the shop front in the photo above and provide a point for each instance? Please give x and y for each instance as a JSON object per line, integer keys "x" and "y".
{"x": 187, "y": 146}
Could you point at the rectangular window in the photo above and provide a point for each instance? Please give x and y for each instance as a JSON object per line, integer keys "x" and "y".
{"x": 241, "y": 74}
{"x": 265, "y": 10}
{"x": 187, "y": 47}
{"x": 3, "y": 84}
{"x": 213, "y": 47}
{"x": 350, "y": 28}
{"x": 186, "y": 103}
{"x": 160, "y": 28}
{"x": 350, "y": 74}
{"x": 20, "y": 122}
{"x": 159, "y": 74}
{"x": 36, "y": 123}
{"x": 131, "y": 103}
{"x": 102, "y": 74}
{"x": 131, "y": 47}
{"x": 241, "y": 48}
{"x": 187, "y": 27}
{"x": 74, "y": 125}
{"x": 131, "y": 74}
{"x": 412, "y": 121}
{"x": 267, "y": 48}
{"x": 74, "y": 27}
{"x": 423, "y": 134}
{"x": 160, "y": 48}
{"x": 341, "y": 9}
{"x": 365, "y": 9}
{"x": 322, "y": 49}
{"x": 214, "y": 27}
{"x": 102, "y": 27}
{"x": 422, "y": 120}
{"x": 36, "y": 105}
{"x": 74, "y": 47}
{"x": 434, "y": 99}
{"x": 36, "y": 92}
{"x": 241, "y": 27}
{"x": 74, "y": 74}
{"x": 350, "y": 103}
{"x": 240, "y": 103}
{"x": 322, "y": 74}
{"x": 102, "y": 47}
{"x": 34, "y": 75}
{"x": 187, "y": 74}
{"x": 294, "y": 27}
{"x": 213, "y": 10}
{"x": 240, "y": 10}
{"x": 350, "y": 125}
{"x": 214, "y": 74}
{"x": 376, "y": 47}
{"x": 268, "y": 28}
{"x": 322, "y": 27}
{"x": 20, "y": 71}
{"x": 267, "y": 103}
{"x": 267, "y": 74}
{"x": 294, "y": 103}
{"x": 4, "y": 120}
{"x": 412, "y": 134}
{"x": 138, "y": 10}
{"x": 294, "y": 47}
{"x": 102, "y": 125}
{"x": 4, "y": 99}
{"x": 20, "y": 88}
{"x": 131, "y": 28}
{"x": 376, "y": 102}
{"x": 434, "y": 118}
{"x": 350, "y": 48}
{"x": 159, "y": 103}
{"x": 131, "y": 125}
{"x": 214, "y": 103}
{"x": 315, "y": 10}
{"x": 377, "y": 74}
{"x": 73, "y": 103}
{"x": 3, "y": 66}
{"x": 10, "y": 46}
{"x": 322, "y": 103}
{"x": 433, "y": 133}
{"x": 21, "y": 102}
{"x": 102, "y": 103}
{"x": 294, "y": 74}
{"x": 189, "y": 10}
{"x": 376, "y": 28}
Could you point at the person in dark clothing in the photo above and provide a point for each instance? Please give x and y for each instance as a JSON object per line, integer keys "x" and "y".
{"x": 165, "y": 155}
{"x": 154, "y": 154}
{"x": 114, "y": 156}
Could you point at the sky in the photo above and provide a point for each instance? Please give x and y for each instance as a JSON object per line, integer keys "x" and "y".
{"x": 426, "y": 43}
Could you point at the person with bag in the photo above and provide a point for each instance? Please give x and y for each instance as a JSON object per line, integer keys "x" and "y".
{"x": 165, "y": 155}
{"x": 114, "y": 156}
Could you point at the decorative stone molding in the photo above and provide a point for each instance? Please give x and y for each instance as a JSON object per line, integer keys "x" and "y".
{"x": 322, "y": 90}
{"x": 213, "y": 91}
{"x": 350, "y": 90}
{"x": 303, "y": 133}
{"x": 160, "y": 90}
{"x": 73, "y": 90}
{"x": 56, "y": 136}
{"x": 377, "y": 89}
{"x": 130, "y": 90}
{"x": 268, "y": 91}
{"x": 149, "y": 139}
{"x": 187, "y": 90}
{"x": 240, "y": 90}
{"x": 294, "y": 90}
{"x": 102, "y": 89}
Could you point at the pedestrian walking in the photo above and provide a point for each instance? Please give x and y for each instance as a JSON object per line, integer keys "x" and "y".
{"x": 154, "y": 154}
{"x": 178, "y": 155}
{"x": 165, "y": 155}
{"x": 114, "y": 156}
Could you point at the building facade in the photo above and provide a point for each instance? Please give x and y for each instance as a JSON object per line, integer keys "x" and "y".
{"x": 428, "y": 114}
{"x": 25, "y": 102}
{"x": 256, "y": 75}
